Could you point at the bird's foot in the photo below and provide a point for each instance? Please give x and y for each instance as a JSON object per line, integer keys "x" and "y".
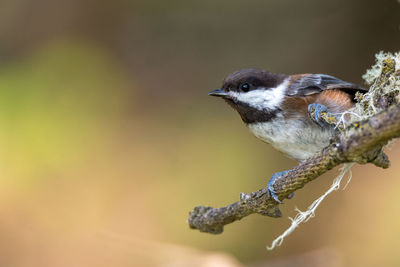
{"x": 271, "y": 188}
{"x": 320, "y": 115}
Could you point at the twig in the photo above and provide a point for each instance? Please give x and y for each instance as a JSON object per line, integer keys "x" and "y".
{"x": 361, "y": 143}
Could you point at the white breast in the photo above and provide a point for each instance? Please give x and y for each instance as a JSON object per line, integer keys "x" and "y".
{"x": 296, "y": 138}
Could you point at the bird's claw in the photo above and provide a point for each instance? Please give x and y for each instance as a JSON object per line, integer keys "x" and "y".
{"x": 320, "y": 114}
{"x": 271, "y": 188}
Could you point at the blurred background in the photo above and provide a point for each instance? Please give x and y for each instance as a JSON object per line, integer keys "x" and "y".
{"x": 108, "y": 138}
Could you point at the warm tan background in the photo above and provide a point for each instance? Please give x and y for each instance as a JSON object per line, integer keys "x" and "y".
{"x": 108, "y": 138}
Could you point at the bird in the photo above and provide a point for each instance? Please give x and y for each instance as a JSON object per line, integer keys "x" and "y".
{"x": 286, "y": 110}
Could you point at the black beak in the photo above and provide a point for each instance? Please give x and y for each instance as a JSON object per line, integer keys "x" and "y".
{"x": 218, "y": 92}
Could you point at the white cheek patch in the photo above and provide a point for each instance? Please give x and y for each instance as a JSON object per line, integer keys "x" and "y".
{"x": 262, "y": 98}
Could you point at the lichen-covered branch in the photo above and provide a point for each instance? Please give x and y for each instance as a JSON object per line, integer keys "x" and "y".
{"x": 361, "y": 143}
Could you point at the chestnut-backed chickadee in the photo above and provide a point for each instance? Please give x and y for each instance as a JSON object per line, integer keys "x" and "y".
{"x": 275, "y": 107}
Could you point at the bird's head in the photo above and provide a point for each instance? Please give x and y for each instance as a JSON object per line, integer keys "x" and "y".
{"x": 255, "y": 94}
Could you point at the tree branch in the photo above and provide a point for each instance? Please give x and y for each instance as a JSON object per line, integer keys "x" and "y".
{"x": 361, "y": 143}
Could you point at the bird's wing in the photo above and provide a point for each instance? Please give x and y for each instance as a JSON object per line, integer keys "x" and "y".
{"x": 309, "y": 84}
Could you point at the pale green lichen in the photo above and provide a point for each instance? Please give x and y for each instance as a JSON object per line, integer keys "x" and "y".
{"x": 375, "y": 71}
{"x": 384, "y": 81}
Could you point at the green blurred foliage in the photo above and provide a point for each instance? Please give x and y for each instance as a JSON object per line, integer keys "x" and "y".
{"x": 54, "y": 109}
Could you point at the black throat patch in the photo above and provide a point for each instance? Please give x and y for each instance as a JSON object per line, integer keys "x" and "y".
{"x": 250, "y": 114}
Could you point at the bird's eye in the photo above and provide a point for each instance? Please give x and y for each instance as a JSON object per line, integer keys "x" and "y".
{"x": 245, "y": 87}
